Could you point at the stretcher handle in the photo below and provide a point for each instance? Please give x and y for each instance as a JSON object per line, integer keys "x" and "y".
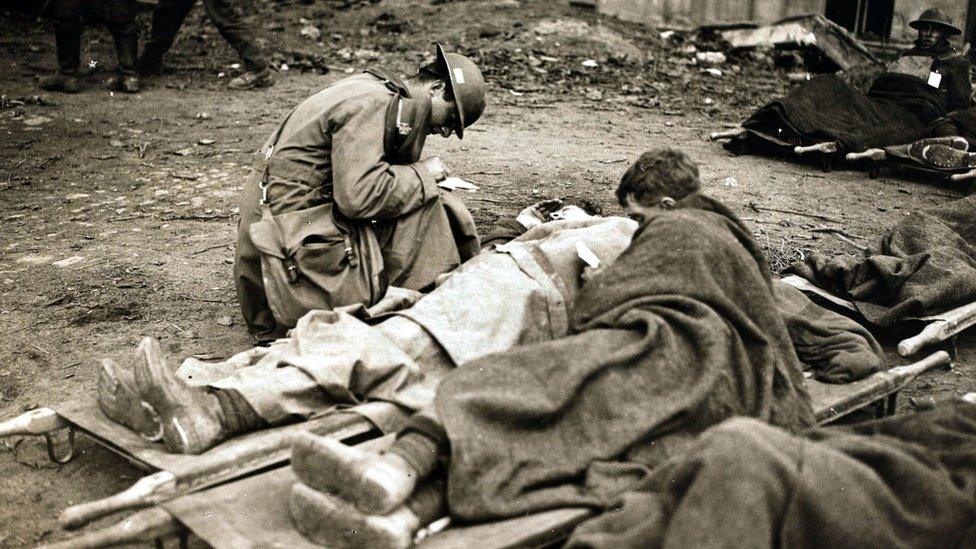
{"x": 971, "y": 174}
{"x": 876, "y": 155}
{"x": 157, "y": 485}
{"x": 145, "y": 526}
{"x": 936, "y": 359}
{"x": 726, "y": 134}
{"x": 825, "y": 147}
{"x": 40, "y": 421}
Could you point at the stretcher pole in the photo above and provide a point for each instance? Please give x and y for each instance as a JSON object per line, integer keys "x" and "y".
{"x": 146, "y": 526}
{"x": 960, "y": 177}
{"x": 221, "y": 465}
{"x": 40, "y": 421}
{"x": 44, "y": 422}
{"x": 827, "y": 149}
{"x": 875, "y": 156}
{"x": 948, "y": 324}
{"x": 157, "y": 486}
{"x": 727, "y": 134}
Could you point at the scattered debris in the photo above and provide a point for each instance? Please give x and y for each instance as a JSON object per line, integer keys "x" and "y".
{"x": 36, "y": 120}
{"x": 311, "y": 32}
{"x": 711, "y": 57}
{"x": 755, "y": 206}
{"x": 824, "y": 45}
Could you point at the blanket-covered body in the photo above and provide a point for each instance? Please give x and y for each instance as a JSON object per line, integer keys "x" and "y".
{"x": 517, "y": 295}
{"x": 923, "y": 265}
{"x": 680, "y": 333}
{"x": 906, "y": 481}
{"x": 898, "y": 109}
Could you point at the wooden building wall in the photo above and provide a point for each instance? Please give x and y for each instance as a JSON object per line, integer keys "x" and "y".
{"x": 700, "y": 12}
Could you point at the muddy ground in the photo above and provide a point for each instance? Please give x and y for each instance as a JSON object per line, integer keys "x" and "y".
{"x": 118, "y": 212}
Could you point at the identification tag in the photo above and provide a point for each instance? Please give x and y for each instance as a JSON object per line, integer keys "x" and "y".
{"x": 935, "y": 79}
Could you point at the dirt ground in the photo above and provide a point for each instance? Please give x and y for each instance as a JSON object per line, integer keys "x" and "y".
{"x": 119, "y": 211}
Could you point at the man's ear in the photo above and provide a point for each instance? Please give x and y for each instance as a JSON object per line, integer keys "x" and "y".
{"x": 437, "y": 87}
{"x": 667, "y": 203}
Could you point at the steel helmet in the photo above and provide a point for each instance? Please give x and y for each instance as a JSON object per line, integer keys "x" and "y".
{"x": 466, "y": 85}
{"x": 935, "y": 16}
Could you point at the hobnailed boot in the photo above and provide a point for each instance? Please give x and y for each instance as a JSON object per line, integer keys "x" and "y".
{"x": 190, "y": 416}
{"x": 945, "y": 157}
{"x": 374, "y": 483}
{"x": 333, "y": 522}
{"x": 58, "y": 82}
{"x": 118, "y": 399}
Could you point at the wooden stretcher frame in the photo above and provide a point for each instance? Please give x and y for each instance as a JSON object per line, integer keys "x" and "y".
{"x": 939, "y": 329}
{"x": 216, "y": 514}
{"x": 176, "y": 474}
{"x": 831, "y": 151}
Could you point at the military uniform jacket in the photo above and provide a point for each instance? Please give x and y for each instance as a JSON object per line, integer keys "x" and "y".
{"x": 954, "y": 84}
{"x": 341, "y": 165}
{"x": 356, "y": 145}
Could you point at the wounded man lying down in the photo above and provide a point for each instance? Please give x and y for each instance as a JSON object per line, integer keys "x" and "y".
{"x": 681, "y": 332}
{"x": 516, "y": 294}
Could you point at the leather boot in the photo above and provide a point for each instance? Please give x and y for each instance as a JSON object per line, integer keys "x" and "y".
{"x": 191, "y": 416}
{"x": 119, "y": 401}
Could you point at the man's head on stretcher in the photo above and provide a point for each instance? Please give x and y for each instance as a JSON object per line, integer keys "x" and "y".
{"x": 656, "y": 181}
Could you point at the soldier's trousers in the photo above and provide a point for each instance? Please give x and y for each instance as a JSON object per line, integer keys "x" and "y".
{"x": 70, "y": 17}
{"x": 169, "y": 15}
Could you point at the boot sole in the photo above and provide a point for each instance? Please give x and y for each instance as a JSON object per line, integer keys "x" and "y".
{"x": 332, "y": 467}
{"x": 117, "y": 400}
{"x": 334, "y": 523}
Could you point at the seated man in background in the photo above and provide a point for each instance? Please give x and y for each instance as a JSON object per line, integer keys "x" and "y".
{"x": 936, "y": 61}
{"x": 678, "y": 334}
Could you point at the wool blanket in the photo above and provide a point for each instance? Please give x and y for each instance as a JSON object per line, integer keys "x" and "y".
{"x": 680, "y": 333}
{"x": 924, "y": 265}
{"x": 897, "y": 110}
{"x": 906, "y": 481}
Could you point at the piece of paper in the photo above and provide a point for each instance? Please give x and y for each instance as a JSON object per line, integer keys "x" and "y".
{"x": 456, "y": 183}
{"x": 935, "y": 79}
{"x": 587, "y": 255}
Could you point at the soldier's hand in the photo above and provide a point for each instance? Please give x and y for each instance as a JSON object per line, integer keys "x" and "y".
{"x": 437, "y": 168}
{"x": 538, "y": 213}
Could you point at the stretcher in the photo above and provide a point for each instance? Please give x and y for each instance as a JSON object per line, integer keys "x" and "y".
{"x": 174, "y": 474}
{"x": 741, "y": 140}
{"x": 938, "y": 329}
{"x": 253, "y": 511}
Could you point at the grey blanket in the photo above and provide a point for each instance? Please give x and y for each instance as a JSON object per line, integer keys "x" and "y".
{"x": 924, "y": 265}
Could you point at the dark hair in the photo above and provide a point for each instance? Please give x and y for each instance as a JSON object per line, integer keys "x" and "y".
{"x": 429, "y": 73}
{"x": 659, "y": 173}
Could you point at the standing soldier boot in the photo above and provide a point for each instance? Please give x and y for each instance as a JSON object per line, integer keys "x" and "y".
{"x": 67, "y": 39}
{"x": 168, "y": 17}
{"x": 69, "y": 19}
{"x": 120, "y": 20}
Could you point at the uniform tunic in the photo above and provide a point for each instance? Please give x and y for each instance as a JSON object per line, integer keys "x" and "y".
{"x": 336, "y": 148}
{"x": 954, "y": 84}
